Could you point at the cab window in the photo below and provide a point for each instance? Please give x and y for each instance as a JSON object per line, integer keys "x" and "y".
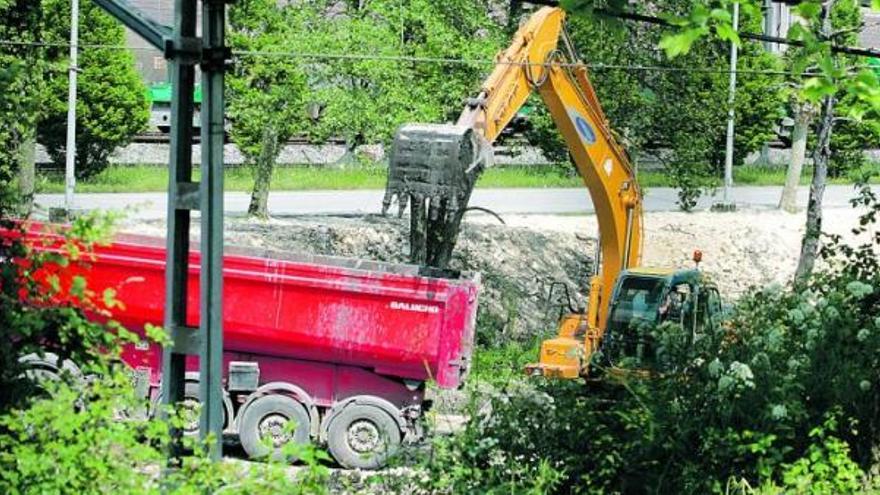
{"x": 637, "y": 301}
{"x": 676, "y": 306}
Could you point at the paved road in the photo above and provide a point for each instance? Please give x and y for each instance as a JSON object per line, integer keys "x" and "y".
{"x": 548, "y": 201}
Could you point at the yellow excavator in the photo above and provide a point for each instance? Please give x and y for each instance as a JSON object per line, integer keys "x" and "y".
{"x": 433, "y": 168}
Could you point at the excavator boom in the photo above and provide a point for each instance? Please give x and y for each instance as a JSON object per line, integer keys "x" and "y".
{"x": 433, "y": 168}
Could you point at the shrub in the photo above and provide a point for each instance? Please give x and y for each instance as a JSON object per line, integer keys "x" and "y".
{"x": 87, "y": 440}
{"x": 39, "y": 313}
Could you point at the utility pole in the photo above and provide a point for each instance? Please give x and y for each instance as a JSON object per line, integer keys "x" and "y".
{"x": 70, "y": 164}
{"x": 185, "y": 50}
{"x": 727, "y": 203}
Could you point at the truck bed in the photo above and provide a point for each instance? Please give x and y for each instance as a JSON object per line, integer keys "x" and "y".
{"x": 379, "y": 316}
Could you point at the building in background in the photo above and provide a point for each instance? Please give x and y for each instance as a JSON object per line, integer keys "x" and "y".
{"x": 150, "y": 63}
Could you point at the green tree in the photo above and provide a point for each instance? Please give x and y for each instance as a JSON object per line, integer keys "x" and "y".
{"x": 22, "y": 69}
{"x": 691, "y": 113}
{"x": 266, "y": 93}
{"x": 112, "y": 104}
{"x": 852, "y": 136}
{"x": 347, "y": 92}
{"x": 365, "y": 101}
{"x": 825, "y": 75}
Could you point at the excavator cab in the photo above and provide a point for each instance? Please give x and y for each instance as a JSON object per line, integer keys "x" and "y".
{"x": 642, "y": 299}
{"x": 646, "y": 298}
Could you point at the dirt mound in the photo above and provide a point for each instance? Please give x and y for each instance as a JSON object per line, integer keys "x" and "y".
{"x": 518, "y": 265}
{"x": 742, "y": 249}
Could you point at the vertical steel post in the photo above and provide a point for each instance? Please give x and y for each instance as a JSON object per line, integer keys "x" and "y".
{"x": 179, "y": 179}
{"x": 214, "y": 55}
{"x": 184, "y": 49}
{"x": 70, "y": 151}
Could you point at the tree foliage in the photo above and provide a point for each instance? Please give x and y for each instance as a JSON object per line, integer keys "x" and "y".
{"x": 364, "y": 100}
{"x": 815, "y": 61}
{"x": 853, "y": 133}
{"x": 341, "y": 70}
{"x": 267, "y": 93}
{"x": 112, "y": 104}
{"x": 21, "y": 81}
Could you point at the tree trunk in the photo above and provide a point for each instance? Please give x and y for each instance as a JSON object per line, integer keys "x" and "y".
{"x": 259, "y": 206}
{"x": 350, "y": 157}
{"x": 821, "y": 156}
{"x": 26, "y": 156}
{"x": 803, "y": 117}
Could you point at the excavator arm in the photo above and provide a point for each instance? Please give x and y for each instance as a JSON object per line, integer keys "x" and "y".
{"x": 516, "y": 70}
{"x": 616, "y": 199}
{"x": 433, "y": 168}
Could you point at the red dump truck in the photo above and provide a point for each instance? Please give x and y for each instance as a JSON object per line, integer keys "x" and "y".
{"x": 343, "y": 347}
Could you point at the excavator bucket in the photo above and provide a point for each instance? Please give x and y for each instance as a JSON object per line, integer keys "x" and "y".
{"x": 433, "y": 169}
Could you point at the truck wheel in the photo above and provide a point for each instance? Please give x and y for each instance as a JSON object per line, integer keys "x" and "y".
{"x": 41, "y": 370}
{"x": 363, "y": 436}
{"x": 190, "y": 408}
{"x": 263, "y": 430}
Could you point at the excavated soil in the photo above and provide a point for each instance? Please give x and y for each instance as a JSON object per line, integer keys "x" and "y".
{"x": 520, "y": 261}
{"x": 741, "y": 249}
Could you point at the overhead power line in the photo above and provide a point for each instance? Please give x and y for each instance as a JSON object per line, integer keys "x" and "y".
{"x": 630, "y": 16}
{"x": 492, "y": 62}
{"x": 241, "y": 54}
{"x": 81, "y": 46}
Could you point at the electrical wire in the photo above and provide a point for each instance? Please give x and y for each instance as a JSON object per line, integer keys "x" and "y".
{"x": 240, "y": 54}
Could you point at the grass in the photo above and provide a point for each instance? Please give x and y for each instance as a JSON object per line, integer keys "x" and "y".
{"x": 153, "y": 178}
{"x": 505, "y": 362}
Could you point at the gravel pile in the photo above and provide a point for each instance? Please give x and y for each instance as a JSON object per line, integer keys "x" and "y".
{"x": 740, "y": 249}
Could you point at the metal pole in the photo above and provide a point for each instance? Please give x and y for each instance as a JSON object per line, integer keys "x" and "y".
{"x": 70, "y": 163}
{"x": 728, "y": 158}
{"x": 211, "y": 195}
{"x": 177, "y": 243}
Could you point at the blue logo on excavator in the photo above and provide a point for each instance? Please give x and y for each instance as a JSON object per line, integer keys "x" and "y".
{"x": 585, "y": 129}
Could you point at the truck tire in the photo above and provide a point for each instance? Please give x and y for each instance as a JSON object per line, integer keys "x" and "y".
{"x": 363, "y": 436}
{"x": 190, "y": 408}
{"x": 48, "y": 368}
{"x": 262, "y": 428}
